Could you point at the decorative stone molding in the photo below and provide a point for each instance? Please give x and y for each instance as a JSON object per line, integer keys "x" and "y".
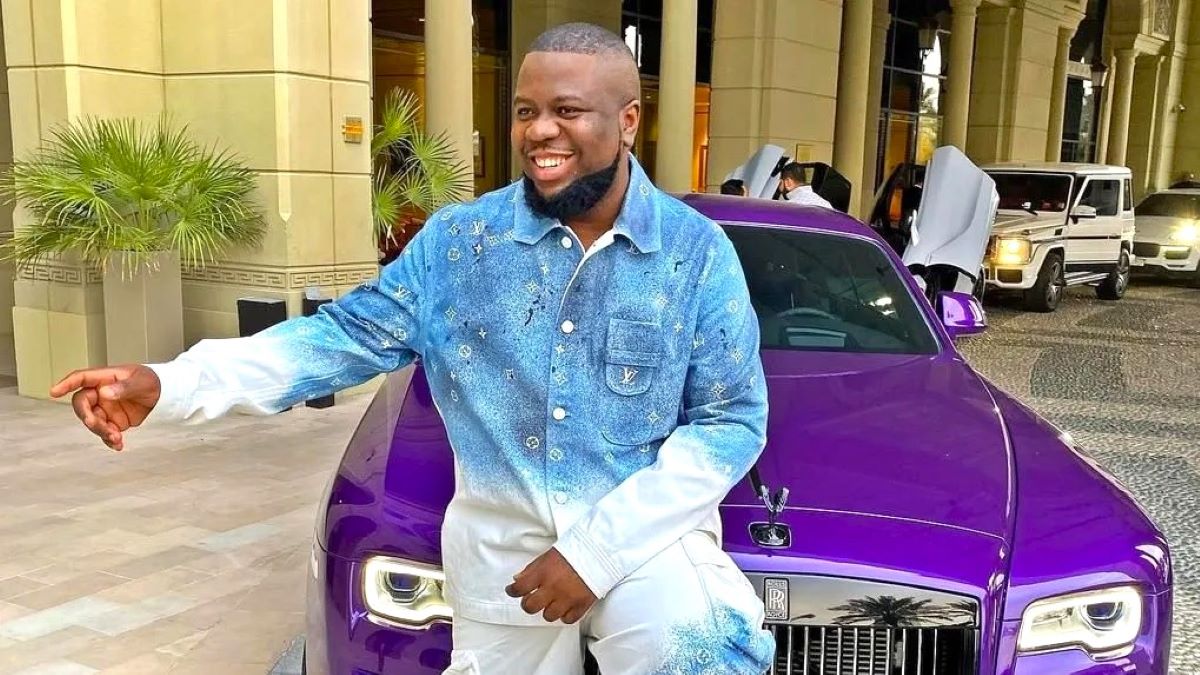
{"x": 283, "y": 278}
{"x": 1164, "y": 14}
{"x": 60, "y": 273}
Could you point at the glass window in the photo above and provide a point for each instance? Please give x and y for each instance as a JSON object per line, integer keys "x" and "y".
{"x": 1103, "y": 195}
{"x": 1127, "y": 203}
{"x": 1173, "y": 205}
{"x": 826, "y": 292}
{"x": 1037, "y": 192}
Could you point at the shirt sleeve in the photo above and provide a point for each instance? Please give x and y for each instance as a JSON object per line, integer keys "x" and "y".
{"x": 722, "y": 434}
{"x": 376, "y": 328}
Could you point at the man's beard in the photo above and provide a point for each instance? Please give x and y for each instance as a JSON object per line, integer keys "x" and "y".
{"x": 577, "y": 198}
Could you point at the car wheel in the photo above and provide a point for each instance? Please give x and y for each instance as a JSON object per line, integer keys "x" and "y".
{"x": 1047, "y": 291}
{"x": 1115, "y": 284}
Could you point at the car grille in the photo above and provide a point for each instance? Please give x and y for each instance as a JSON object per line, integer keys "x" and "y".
{"x": 848, "y": 650}
{"x": 1144, "y": 249}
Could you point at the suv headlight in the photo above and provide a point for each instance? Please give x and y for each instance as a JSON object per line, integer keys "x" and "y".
{"x": 1013, "y": 251}
{"x": 1184, "y": 234}
{"x": 404, "y": 592}
{"x": 1100, "y": 621}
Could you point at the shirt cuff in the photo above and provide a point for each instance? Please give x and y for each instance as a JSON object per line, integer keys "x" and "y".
{"x": 177, "y": 382}
{"x": 590, "y": 561}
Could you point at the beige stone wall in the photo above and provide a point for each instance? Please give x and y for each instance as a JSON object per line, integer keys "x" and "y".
{"x": 1187, "y": 140}
{"x": 63, "y": 63}
{"x": 274, "y": 82}
{"x": 270, "y": 81}
{"x": 1010, "y": 88}
{"x": 8, "y": 355}
{"x": 774, "y": 80}
{"x": 1145, "y": 124}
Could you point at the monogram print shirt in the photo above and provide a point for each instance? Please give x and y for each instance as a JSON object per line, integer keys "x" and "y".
{"x": 602, "y": 402}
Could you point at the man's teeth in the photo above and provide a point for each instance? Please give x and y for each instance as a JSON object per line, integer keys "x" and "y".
{"x": 549, "y": 162}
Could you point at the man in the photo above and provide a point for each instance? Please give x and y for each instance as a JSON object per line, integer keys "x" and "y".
{"x": 795, "y": 187}
{"x": 592, "y": 349}
{"x": 734, "y": 186}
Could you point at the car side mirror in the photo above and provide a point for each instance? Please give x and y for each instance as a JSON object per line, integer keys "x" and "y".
{"x": 1083, "y": 211}
{"x": 961, "y": 313}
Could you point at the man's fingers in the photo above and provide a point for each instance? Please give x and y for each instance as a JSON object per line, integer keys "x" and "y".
{"x": 524, "y": 583}
{"x": 555, "y": 611}
{"x": 574, "y": 615}
{"x": 83, "y": 402}
{"x": 535, "y": 602}
{"x": 118, "y": 416}
{"x": 113, "y": 392}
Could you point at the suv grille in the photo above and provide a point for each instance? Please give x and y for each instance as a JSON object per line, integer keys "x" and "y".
{"x": 848, "y": 650}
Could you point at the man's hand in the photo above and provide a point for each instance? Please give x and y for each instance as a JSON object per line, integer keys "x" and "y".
{"x": 111, "y": 400}
{"x": 551, "y": 586}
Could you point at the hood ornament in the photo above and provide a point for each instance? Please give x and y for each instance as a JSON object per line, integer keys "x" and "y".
{"x": 771, "y": 533}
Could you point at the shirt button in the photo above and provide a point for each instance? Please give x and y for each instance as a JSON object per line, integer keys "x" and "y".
{"x": 560, "y": 497}
{"x": 568, "y": 327}
{"x": 566, "y": 242}
{"x": 559, "y": 414}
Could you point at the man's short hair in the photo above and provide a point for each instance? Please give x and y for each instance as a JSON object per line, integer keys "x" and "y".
{"x": 794, "y": 172}
{"x": 580, "y": 38}
{"x": 733, "y": 186}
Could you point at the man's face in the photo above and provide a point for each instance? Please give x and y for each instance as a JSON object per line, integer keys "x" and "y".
{"x": 570, "y": 119}
{"x": 788, "y": 184}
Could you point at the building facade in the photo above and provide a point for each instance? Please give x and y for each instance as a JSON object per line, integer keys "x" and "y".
{"x": 865, "y": 85}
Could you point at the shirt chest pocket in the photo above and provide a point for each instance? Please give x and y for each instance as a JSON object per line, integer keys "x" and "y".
{"x": 632, "y": 356}
{"x": 632, "y": 361}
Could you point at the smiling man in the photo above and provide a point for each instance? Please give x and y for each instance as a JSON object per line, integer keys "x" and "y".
{"x": 591, "y": 346}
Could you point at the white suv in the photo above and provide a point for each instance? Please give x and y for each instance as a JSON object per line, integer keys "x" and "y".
{"x": 1060, "y": 225}
{"x": 1168, "y": 234}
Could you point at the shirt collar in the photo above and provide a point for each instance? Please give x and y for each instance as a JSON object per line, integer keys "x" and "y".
{"x": 638, "y": 220}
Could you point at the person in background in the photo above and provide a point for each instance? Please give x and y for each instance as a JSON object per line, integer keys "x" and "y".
{"x": 795, "y": 188}
{"x": 734, "y": 186}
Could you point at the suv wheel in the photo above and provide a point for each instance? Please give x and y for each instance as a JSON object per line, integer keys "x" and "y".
{"x": 1115, "y": 284}
{"x": 1047, "y": 291}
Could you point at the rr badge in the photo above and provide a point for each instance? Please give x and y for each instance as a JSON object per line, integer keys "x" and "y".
{"x": 776, "y": 599}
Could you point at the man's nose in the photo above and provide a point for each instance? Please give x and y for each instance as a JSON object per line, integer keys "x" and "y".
{"x": 542, "y": 129}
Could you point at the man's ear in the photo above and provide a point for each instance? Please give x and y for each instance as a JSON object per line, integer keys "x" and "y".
{"x": 631, "y": 119}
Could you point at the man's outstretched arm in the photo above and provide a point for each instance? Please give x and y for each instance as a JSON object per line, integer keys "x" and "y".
{"x": 374, "y": 329}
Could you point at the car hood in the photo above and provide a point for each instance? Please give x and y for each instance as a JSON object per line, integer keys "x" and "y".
{"x": 1008, "y": 222}
{"x": 900, "y": 437}
{"x": 1157, "y": 229}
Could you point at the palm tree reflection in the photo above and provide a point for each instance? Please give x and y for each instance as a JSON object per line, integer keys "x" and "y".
{"x": 903, "y": 612}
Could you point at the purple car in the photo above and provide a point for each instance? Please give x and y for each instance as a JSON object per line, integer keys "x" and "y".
{"x": 932, "y": 524}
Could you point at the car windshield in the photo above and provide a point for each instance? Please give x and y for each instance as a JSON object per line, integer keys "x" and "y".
{"x": 1174, "y": 205}
{"x": 826, "y": 292}
{"x": 1033, "y": 191}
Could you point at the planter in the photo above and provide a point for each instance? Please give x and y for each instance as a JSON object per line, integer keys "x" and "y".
{"x": 143, "y": 311}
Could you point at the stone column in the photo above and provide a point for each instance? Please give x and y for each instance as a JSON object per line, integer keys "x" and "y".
{"x": 853, "y": 77}
{"x": 879, "y": 30}
{"x": 1104, "y": 115}
{"x": 962, "y": 56}
{"x": 677, "y": 96}
{"x": 449, "y": 73}
{"x": 1058, "y": 94}
{"x": 8, "y": 354}
{"x": 1118, "y": 132}
{"x": 774, "y": 80}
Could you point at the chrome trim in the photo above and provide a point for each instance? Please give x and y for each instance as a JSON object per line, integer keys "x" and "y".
{"x": 835, "y": 601}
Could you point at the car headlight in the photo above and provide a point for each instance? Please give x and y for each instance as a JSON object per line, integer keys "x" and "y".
{"x": 404, "y": 592}
{"x": 1013, "y": 251}
{"x": 1100, "y": 621}
{"x": 1185, "y": 234}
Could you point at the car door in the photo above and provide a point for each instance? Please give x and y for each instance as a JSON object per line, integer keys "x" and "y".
{"x": 1093, "y": 243}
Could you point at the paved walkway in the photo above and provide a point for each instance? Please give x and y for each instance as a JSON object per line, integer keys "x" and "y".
{"x": 185, "y": 554}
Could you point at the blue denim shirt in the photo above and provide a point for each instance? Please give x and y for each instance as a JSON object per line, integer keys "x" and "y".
{"x": 602, "y": 402}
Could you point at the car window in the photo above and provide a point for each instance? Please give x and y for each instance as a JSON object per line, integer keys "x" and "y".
{"x": 827, "y": 292}
{"x": 1128, "y": 202}
{"x": 1174, "y": 205}
{"x": 1038, "y": 192}
{"x": 1103, "y": 195}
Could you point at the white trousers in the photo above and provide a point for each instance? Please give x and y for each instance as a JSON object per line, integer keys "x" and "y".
{"x": 689, "y": 611}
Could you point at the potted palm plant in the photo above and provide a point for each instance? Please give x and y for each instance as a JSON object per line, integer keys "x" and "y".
{"x": 137, "y": 201}
{"x": 415, "y": 173}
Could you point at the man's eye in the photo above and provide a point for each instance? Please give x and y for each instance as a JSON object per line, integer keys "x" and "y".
{"x": 568, "y": 111}
{"x": 524, "y": 113}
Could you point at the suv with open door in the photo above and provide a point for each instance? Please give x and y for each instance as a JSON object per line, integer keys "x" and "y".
{"x": 1060, "y": 225}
